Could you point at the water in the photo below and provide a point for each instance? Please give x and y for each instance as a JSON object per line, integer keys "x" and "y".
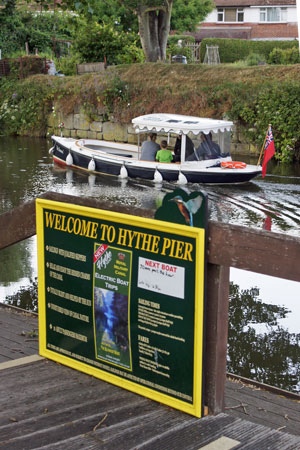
{"x": 264, "y": 330}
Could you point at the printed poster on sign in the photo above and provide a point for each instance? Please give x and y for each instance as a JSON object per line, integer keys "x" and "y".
{"x": 112, "y": 270}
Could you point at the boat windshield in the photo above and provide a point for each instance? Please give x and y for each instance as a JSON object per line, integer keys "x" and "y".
{"x": 213, "y": 145}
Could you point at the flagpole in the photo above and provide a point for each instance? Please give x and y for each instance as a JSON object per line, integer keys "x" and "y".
{"x": 262, "y": 149}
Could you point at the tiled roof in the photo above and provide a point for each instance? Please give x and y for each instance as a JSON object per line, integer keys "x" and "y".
{"x": 224, "y": 3}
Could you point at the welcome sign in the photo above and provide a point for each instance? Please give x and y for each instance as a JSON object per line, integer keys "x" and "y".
{"x": 121, "y": 298}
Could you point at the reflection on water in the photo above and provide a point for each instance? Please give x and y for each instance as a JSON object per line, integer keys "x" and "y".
{"x": 272, "y": 203}
{"x": 260, "y": 347}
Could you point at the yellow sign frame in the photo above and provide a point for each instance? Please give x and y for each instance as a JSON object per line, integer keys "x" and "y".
{"x": 149, "y": 224}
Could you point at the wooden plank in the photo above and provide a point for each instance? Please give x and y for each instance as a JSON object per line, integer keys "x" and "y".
{"x": 20, "y": 361}
{"x": 90, "y": 68}
{"x": 263, "y": 410}
{"x": 223, "y": 443}
{"x": 254, "y": 250}
{"x": 228, "y": 245}
{"x": 235, "y": 389}
{"x": 216, "y": 327}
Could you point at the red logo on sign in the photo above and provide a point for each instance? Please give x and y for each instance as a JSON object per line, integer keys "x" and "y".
{"x": 99, "y": 252}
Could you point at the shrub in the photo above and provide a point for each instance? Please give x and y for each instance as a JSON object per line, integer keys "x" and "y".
{"x": 67, "y": 64}
{"x": 97, "y": 43}
{"x": 232, "y": 50}
{"x": 253, "y": 59}
{"x": 284, "y": 56}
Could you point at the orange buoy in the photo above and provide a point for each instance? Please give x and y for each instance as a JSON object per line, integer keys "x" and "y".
{"x": 233, "y": 165}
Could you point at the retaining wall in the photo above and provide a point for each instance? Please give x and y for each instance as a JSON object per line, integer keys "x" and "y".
{"x": 78, "y": 126}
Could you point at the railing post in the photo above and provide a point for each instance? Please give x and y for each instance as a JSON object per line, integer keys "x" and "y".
{"x": 216, "y": 337}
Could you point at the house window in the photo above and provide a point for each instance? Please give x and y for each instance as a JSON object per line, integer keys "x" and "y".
{"x": 230, "y": 15}
{"x": 273, "y": 14}
{"x": 220, "y": 14}
{"x": 240, "y": 15}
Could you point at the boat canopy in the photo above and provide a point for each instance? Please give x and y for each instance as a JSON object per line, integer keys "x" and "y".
{"x": 179, "y": 124}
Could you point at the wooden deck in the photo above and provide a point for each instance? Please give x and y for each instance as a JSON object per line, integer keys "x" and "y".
{"x": 45, "y": 405}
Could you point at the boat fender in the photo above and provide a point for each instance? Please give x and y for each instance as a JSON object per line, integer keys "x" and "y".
{"x": 51, "y": 150}
{"x": 233, "y": 165}
{"x": 123, "y": 172}
{"x": 157, "y": 177}
{"x": 92, "y": 165}
{"x": 69, "y": 160}
{"x": 181, "y": 178}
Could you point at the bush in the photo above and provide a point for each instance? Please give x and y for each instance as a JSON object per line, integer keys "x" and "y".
{"x": 276, "y": 103}
{"x": 232, "y": 50}
{"x": 284, "y": 56}
{"x": 99, "y": 43}
{"x": 35, "y": 29}
{"x": 67, "y": 64}
{"x": 253, "y": 59}
{"x": 174, "y": 38}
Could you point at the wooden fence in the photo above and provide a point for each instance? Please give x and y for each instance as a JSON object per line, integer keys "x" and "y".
{"x": 228, "y": 246}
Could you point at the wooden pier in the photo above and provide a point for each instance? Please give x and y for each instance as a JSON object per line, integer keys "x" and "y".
{"x": 45, "y": 405}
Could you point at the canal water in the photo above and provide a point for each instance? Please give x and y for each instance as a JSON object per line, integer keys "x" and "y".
{"x": 264, "y": 329}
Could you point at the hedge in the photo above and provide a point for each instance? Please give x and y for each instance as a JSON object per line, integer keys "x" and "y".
{"x": 232, "y": 50}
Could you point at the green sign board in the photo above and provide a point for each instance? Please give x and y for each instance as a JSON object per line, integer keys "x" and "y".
{"x": 121, "y": 298}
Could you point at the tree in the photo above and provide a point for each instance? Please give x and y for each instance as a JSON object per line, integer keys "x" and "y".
{"x": 153, "y": 16}
{"x": 187, "y": 14}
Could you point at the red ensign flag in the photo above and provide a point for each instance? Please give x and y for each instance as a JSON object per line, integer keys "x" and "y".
{"x": 269, "y": 150}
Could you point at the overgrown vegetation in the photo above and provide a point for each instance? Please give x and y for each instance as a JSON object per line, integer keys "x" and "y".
{"x": 251, "y": 96}
{"x": 38, "y": 30}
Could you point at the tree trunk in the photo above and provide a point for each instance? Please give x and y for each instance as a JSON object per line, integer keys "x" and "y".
{"x": 154, "y": 28}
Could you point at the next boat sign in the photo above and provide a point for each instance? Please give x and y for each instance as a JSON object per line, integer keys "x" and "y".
{"x": 121, "y": 298}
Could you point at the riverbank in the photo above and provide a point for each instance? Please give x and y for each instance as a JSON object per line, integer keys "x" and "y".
{"x": 105, "y": 103}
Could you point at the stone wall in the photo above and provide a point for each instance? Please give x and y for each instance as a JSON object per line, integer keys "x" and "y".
{"x": 77, "y": 126}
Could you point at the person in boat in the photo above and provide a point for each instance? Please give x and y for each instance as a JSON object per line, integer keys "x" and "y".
{"x": 149, "y": 148}
{"x": 164, "y": 155}
{"x": 208, "y": 149}
{"x": 189, "y": 148}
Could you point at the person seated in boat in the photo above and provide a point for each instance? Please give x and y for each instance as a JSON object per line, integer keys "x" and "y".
{"x": 149, "y": 148}
{"x": 164, "y": 155}
{"x": 189, "y": 148}
{"x": 208, "y": 149}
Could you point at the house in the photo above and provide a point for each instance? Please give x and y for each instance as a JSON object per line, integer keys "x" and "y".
{"x": 251, "y": 19}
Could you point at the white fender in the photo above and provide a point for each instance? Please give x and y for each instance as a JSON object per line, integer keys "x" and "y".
{"x": 157, "y": 177}
{"x": 69, "y": 160}
{"x": 181, "y": 179}
{"x": 123, "y": 172}
{"x": 51, "y": 150}
{"x": 92, "y": 165}
{"x": 92, "y": 180}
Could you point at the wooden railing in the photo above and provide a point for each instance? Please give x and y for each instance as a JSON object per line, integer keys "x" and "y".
{"x": 228, "y": 246}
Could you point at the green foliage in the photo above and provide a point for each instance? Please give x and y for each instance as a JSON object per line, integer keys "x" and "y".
{"x": 253, "y": 59}
{"x": 67, "y": 64}
{"x": 116, "y": 94}
{"x": 275, "y": 103}
{"x": 232, "y": 50}
{"x": 174, "y": 38}
{"x": 35, "y": 29}
{"x": 96, "y": 43}
{"x": 23, "y": 107}
{"x": 187, "y": 14}
{"x": 284, "y": 56}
